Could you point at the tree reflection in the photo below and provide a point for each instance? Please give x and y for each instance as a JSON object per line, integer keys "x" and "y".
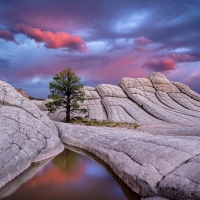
{"x": 66, "y": 161}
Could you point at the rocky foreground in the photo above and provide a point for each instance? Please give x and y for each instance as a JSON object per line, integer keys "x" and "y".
{"x": 158, "y": 160}
{"x": 27, "y": 135}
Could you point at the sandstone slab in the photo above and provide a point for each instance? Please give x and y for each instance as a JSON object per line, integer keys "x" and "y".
{"x": 184, "y": 182}
{"x": 152, "y": 94}
{"x": 141, "y": 160}
{"x": 121, "y": 109}
{"x": 27, "y": 134}
{"x": 186, "y": 90}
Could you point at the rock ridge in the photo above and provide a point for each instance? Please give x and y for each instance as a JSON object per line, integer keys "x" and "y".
{"x": 145, "y": 101}
{"x": 151, "y": 165}
{"x": 27, "y": 134}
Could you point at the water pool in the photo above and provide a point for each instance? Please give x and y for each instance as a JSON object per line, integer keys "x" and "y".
{"x": 69, "y": 176}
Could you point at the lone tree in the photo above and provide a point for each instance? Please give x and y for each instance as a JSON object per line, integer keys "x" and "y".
{"x": 66, "y": 92}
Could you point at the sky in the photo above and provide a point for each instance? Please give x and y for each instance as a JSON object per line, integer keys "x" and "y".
{"x": 101, "y": 40}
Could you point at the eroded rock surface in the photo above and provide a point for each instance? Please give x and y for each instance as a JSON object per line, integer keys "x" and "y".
{"x": 27, "y": 134}
{"x": 146, "y": 163}
{"x": 121, "y": 109}
{"x": 186, "y": 178}
{"x": 93, "y": 104}
{"x": 186, "y": 90}
{"x": 171, "y": 129}
{"x": 145, "y": 101}
{"x": 158, "y": 160}
{"x": 154, "y": 94}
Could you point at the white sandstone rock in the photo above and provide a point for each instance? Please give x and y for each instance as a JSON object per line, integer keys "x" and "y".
{"x": 121, "y": 109}
{"x": 148, "y": 164}
{"x": 152, "y": 95}
{"x": 186, "y": 90}
{"x": 107, "y": 90}
{"x": 27, "y": 134}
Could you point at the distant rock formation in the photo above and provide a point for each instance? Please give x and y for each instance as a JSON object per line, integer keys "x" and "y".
{"x": 22, "y": 92}
{"x": 26, "y": 134}
{"x": 149, "y": 100}
{"x": 27, "y": 96}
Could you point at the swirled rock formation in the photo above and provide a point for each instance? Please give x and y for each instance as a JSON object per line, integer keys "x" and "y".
{"x": 121, "y": 109}
{"x": 186, "y": 90}
{"x": 153, "y": 94}
{"x": 93, "y": 104}
{"x": 145, "y": 101}
{"x": 164, "y": 87}
{"x": 27, "y": 134}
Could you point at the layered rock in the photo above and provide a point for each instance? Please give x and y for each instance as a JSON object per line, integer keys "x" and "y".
{"x": 22, "y": 92}
{"x": 186, "y": 90}
{"x": 145, "y": 101}
{"x": 121, "y": 109}
{"x": 144, "y": 91}
{"x": 58, "y": 115}
{"x": 163, "y": 85}
{"x": 150, "y": 165}
{"x": 93, "y": 104}
{"x": 27, "y": 134}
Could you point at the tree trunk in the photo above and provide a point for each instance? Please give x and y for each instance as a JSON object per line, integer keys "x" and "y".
{"x": 68, "y": 115}
{"x": 68, "y": 109}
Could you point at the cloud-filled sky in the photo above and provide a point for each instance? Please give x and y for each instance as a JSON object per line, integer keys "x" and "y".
{"x": 101, "y": 40}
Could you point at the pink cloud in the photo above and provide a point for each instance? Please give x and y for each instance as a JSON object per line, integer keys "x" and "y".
{"x": 7, "y": 35}
{"x": 160, "y": 65}
{"x": 93, "y": 69}
{"x": 142, "y": 41}
{"x": 179, "y": 57}
{"x": 53, "y": 40}
{"x": 139, "y": 48}
{"x": 195, "y": 74}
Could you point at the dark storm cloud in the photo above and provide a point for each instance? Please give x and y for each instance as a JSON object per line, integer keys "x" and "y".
{"x": 7, "y": 35}
{"x": 172, "y": 23}
{"x": 138, "y": 37}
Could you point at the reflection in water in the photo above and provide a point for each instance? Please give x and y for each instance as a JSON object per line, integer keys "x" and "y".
{"x": 66, "y": 161}
{"x": 13, "y": 185}
{"x": 70, "y": 176}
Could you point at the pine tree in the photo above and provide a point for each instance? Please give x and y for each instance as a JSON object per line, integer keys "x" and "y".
{"x": 66, "y": 92}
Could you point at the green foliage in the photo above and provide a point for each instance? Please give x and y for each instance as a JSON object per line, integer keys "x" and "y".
{"x": 66, "y": 91}
{"x": 94, "y": 122}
